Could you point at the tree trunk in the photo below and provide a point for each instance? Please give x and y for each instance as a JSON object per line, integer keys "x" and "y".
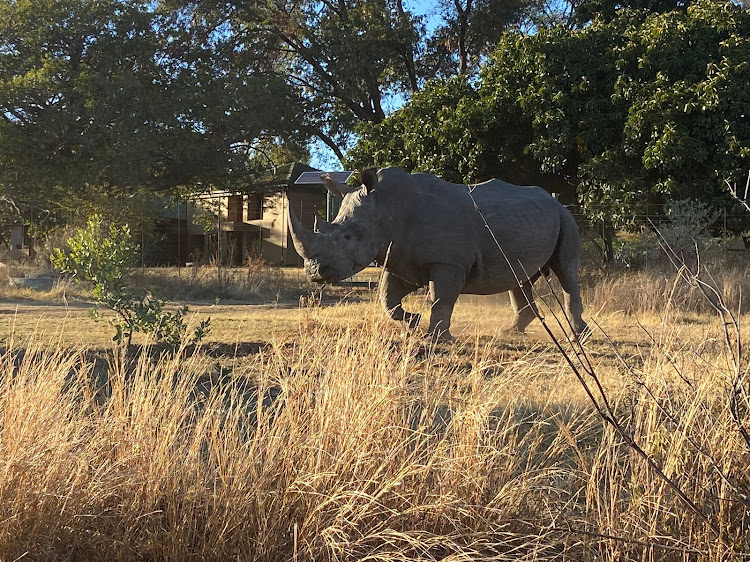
{"x": 408, "y": 51}
{"x": 608, "y": 237}
{"x": 463, "y": 30}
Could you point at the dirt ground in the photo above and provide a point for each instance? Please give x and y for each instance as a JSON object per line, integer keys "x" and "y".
{"x": 73, "y": 323}
{"x": 239, "y": 328}
{"x": 247, "y": 326}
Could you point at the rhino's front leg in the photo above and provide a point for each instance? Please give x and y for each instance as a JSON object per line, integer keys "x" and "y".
{"x": 392, "y": 291}
{"x": 446, "y": 283}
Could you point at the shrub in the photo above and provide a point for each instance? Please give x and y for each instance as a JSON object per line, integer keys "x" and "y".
{"x": 687, "y": 229}
{"x": 99, "y": 256}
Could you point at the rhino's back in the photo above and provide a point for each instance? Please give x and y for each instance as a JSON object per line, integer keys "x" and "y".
{"x": 452, "y": 223}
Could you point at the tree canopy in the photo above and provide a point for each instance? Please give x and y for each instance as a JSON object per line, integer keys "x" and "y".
{"x": 123, "y": 94}
{"x": 104, "y": 100}
{"x": 641, "y": 107}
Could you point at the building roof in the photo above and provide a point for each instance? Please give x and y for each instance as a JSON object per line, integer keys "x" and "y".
{"x": 279, "y": 177}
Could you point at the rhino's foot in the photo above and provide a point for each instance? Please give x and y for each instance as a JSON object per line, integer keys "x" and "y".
{"x": 519, "y": 324}
{"x": 582, "y": 330}
{"x": 514, "y": 330}
{"x": 439, "y": 335}
{"x": 412, "y": 320}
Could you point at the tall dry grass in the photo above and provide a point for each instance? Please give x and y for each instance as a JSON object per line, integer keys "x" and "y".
{"x": 254, "y": 282}
{"x": 365, "y": 443}
{"x": 363, "y": 453}
{"x": 652, "y": 289}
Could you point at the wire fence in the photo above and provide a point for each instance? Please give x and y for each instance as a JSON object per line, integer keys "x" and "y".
{"x": 726, "y": 222}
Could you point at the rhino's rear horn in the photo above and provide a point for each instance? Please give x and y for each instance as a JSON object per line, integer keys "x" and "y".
{"x": 303, "y": 238}
{"x": 322, "y": 226}
{"x": 369, "y": 178}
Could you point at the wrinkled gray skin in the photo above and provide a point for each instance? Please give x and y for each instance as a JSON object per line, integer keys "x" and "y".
{"x": 427, "y": 232}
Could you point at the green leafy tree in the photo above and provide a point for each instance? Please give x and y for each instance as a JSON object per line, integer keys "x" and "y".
{"x": 99, "y": 256}
{"x": 645, "y": 108}
{"x": 342, "y": 59}
{"x": 587, "y": 10}
{"x": 470, "y": 30}
{"x": 118, "y": 96}
{"x": 435, "y": 132}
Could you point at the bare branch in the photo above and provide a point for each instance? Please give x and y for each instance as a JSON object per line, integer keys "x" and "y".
{"x": 587, "y": 376}
{"x": 735, "y": 192}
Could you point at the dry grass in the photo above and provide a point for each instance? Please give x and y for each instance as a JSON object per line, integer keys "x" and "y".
{"x": 328, "y": 433}
{"x": 254, "y": 283}
{"x": 648, "y": 291}
{"x": 347, "y": 438}
{"x": 61, "y": 290}
{"x": 363, "y": 453}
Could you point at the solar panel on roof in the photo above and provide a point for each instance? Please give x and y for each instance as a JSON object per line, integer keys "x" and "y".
{"x": 314, "y": 177}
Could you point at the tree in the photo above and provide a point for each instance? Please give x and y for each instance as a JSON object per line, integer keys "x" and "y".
{"x": 587, "y": 10}
{"x": 435, "y": 132}
{"x": 644, "y": 108}
{"x": 343, "y": 59}
{"x": 119, "y": 95}
{"x": 471, "y": 29}
{"x": 99, "y": 256}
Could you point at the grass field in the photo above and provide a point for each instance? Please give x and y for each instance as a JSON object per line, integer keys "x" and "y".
{"x": 329, "y": 433}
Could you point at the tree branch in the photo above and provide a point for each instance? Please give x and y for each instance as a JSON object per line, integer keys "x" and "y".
{"x": 735, "y": 192}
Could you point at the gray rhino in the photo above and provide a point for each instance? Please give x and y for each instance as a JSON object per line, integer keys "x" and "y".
{"x": 427, "y": 232}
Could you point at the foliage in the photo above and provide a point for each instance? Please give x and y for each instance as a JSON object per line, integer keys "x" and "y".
{"x": 100, "y": 255}
{"x": 642, "y": 108}
{"x": 341, "y": 60}
{"x": 470, "y": 30}
{"x": 103, "y": 103}
{"x": 636, "y": 249}
{"x": 433, "y": 133}
{"x": 119, "y": 96}
{"x": 687, "y": 228}
{"x": 588, "y": 10}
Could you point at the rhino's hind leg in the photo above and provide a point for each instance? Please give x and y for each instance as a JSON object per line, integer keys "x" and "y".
{"x": 565, "y": 264}
{"x": 392, "y": 291}
{"x": 522, "y": 301}
{"x": 572, "y": 298}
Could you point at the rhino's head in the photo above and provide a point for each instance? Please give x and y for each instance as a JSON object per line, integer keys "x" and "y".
{"x": 339, "y": 249}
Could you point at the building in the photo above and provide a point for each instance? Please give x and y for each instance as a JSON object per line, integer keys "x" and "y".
{"x": 250, "y": 222}
{"x": 20, "y": 245}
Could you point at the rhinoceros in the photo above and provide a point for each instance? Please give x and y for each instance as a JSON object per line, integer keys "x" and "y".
{"x": 480, "y": 239}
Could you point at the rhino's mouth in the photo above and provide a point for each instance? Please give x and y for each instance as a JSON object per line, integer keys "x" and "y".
{"x": 320, "y": 273}
{"x": 324, "y": 274}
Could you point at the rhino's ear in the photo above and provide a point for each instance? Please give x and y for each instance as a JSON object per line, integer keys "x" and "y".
{"x": 335, "y": 187}
{"x": 369, "y": 178}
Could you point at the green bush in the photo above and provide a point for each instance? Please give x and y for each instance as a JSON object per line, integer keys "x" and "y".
{"x": 99, "y": 256}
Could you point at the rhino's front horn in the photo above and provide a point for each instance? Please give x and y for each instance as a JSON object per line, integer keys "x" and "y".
{"x": 322, "y": 226}
{"x": 303, "y": 238}
{"x": 335, "y": 187}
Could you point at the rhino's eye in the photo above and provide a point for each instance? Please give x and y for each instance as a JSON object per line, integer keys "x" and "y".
{"x": 347, "y": 237}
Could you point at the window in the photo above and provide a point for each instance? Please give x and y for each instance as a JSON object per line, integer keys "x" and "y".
{"x": 234, "y": 208}
{"x": 254, "y": 207}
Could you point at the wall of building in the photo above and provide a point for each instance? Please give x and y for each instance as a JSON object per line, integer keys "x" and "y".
{"x": 277, "y": 247}
{"x": 242, "y": 233}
